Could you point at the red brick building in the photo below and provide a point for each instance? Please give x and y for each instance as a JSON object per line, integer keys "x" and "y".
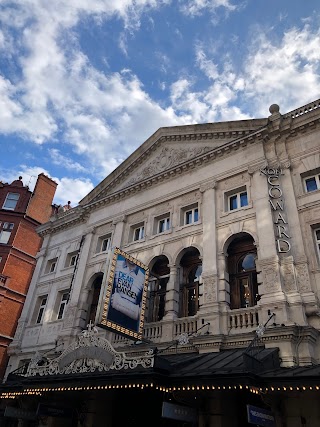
{"x": 21, "y": 211}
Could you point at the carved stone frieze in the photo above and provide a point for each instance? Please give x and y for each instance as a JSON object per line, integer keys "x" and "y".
{"x": 303, "y": 278}
{"x": 137, "y": 217}
{"x": 235, "y": 181}
{"x": 271, "y": 278}
{"x": 168, "y": 158}
{"x": 209, "y": 287}
{"x": 288, "y": 275}
{"x": 189, "y": 198}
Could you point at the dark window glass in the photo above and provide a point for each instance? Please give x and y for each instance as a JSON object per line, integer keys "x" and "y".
{"x": 196, "y": 215}
{"x": 233, "y": 203}
{"x": 243, "y": 199}
{"x": 248, "y": 263}
{"x": 188, "y": 217}
{"x": 311, "y": 184}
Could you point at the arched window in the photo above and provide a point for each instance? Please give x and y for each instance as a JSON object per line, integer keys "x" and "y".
{"x": 159, "y": 277}
{"x": 95, "y": 293}
{"x": 242, "y": 272}
{"x": 189, "y": 287}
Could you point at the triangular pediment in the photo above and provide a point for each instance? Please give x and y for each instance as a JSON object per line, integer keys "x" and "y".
{"x": 169, "y": 148}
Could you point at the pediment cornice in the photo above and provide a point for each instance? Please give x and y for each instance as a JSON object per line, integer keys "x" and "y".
{"x": 171, "y": 160}
{"x": 175, "y": 163}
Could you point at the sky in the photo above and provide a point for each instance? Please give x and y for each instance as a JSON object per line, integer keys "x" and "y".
{"x": 83, "y": 83}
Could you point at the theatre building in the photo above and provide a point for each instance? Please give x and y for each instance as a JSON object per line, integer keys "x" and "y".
{"x": 226, "y": 216}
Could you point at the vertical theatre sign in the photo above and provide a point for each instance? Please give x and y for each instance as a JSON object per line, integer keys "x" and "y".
{"x": 124, "y": 303}
{"x": 277, "y": 208}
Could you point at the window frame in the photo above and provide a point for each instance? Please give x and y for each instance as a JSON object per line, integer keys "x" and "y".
{"x": 317, "y": 179}
{"x": 138, "y": 231}
{"x": 236, "y": 194}
{"x": 6, "y": 229}
{"x": 189, "y": 298}
{"x": 157, "y": 298}
{"x": 71, "y": 256}
{"x": 51, "y": 265}
{"x": 41, "y": 309}
{"x": 237, "y": 197}
{"x": 101, "y": 240}
{"x": 194, "y": 209}
{"x": 167, "y": 224}
{"x": 317, "y": 241}
{"x": 243, "y": 291}
{"x": 8, "y": 198}
{"x": 159, "y": 220}
{"x": 64, "y": 298}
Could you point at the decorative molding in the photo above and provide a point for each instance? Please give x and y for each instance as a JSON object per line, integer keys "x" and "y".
{"x": 271, "y": 279}
{"x": 120, "y": 218}
{"x": 210, "y": 185}
{"x": 189, "y": 198}
{"x": 235, "y": 181}
{"x": 303, "y": 279}
{"x": 288, "y": 274}
{"x": 168, "y": 158}
{"x": 209, "y": 287}
{"x": 89, "y": 353}
{"x": 256, "y": 167}
{"x": 203, "y": 154}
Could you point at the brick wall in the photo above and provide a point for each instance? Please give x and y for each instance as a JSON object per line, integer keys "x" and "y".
{"x": 40, "y": 206}
{"x": 26, "y": 239}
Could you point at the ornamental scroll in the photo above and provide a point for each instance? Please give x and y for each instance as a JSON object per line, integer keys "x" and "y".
{"x": 89, "y": 353}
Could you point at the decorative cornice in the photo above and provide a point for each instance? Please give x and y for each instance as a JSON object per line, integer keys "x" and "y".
{"x": 202, "y": 155}
{"x": 175, "y": 167}
{"x": 210, "y": 185}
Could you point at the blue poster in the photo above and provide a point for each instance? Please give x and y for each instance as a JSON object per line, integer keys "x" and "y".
{"x": 125, "y": 301}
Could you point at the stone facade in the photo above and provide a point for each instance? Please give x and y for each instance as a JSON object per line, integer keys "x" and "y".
{"x": 228, "y": 212}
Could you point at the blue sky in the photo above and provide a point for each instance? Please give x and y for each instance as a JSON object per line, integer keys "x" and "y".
{"x": 83, "y": 83}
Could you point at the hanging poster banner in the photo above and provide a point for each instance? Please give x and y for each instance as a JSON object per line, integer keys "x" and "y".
{"x": 124, "y": 303}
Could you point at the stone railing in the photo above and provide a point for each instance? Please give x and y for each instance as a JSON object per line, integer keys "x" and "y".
{"x": 152, "y": 331}
{"x": 185, "y": 325}
{"x": 243, "y": 319}
{"x": 303, "y": 110}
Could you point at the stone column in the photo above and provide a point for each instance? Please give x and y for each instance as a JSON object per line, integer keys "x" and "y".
{"x": 172, "y": 295}
{"x": 73, "y": 312}
{"x": 268, "y": 264}
{"x": 208, "y": 290}
{"x": 29, "y": 306}
{"x": 299, "y": 277}
{"x": 119, "y": 224}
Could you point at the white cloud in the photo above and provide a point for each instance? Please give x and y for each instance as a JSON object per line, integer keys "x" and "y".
{"x": 63, "y": 161}
{"x": 67, "y": 189}
{"x": 104, "y": 116}
{"x": 196, "y": 7}
{"x": 283, "y": 71}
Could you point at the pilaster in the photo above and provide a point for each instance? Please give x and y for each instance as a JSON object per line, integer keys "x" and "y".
{"x": 172, "y": 295}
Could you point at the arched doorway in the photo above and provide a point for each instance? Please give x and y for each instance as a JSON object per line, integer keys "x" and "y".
{"x": 242, "y": 254}
{"x": 94, "y": 297}
{"x": 159, "y": 277}
{"x": 191, "y": 270}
